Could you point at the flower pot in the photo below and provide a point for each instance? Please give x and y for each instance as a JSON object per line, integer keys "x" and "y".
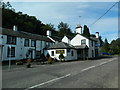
{"x": 28, "y": 65}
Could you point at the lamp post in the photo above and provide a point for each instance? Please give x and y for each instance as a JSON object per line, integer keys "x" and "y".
{"x": 10, "y": 57}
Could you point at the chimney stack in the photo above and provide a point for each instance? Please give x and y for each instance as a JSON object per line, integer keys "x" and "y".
{"x": 48, "y": 33}
{"x": 97, "y": 34}
{"x": 78, "y": 29}
{"x": 15, "y": 28}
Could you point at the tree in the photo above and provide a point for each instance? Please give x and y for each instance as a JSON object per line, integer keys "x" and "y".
{"x": 86, "y": 31}
{"x": 115, "y": 46}
{"x": 63, "y": 29}
{"x": 101, "y": 41}
{"x": 105, "y": 48}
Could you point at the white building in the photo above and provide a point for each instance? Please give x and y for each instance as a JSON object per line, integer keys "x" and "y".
{"x": 86, "y": 47}
{"x": 66, "y": 39}
{"x": 55, "y": 39}
{"x": 66, "y": 49}
{"x": 16, "y": 45}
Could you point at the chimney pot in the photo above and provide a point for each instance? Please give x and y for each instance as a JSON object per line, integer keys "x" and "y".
{"x": 97, "y": 34}
{"x": 15, "y": 28}
{"x": 48, "y": 33}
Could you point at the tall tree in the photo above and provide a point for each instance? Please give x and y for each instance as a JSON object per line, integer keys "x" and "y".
{"x": 115, "y": 46}
{"x": 86, "y": 31}
{"x": 63, "y": 29}
{"x": 105, "y": 48}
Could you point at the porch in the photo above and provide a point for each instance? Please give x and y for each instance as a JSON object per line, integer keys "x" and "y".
{"x": 82, "y": 52}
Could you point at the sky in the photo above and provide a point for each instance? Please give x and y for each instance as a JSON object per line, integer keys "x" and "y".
{"x": 69, "y": 12}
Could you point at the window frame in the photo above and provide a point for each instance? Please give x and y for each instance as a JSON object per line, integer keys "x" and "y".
{"x": 52, "y": 53}
{"x": 10, "y": 53}
{"x": 11, "y": 39}
{"x": 72, "y": 53}
{"x": 92, "y": 43}
{"x": 82, "y": 43}
{"x": 26, "y": 45}
{"x": 34, "y": 43}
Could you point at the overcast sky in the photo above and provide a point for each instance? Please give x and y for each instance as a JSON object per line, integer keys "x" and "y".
{"x": 69, "y": 12}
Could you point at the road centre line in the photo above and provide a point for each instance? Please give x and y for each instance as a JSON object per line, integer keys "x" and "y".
{"x": 96, "y": 65}
{"x": 55, "y": 79}
{"x": 87, "y": 68}
{"x": 111, "y": 60}
{"x": 102, "y": 63}
{"x": 48, "y": 82}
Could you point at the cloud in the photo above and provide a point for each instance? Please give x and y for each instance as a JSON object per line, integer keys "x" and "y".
{"x": 62, "y": 0}
{"x": 110, "y": 37}
{"x": 69, "y": 12}
{"x": 106, "y": 25}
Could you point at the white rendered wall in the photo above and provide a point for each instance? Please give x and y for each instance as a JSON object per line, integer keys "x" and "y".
{"x": 76, "y": 41}
{"x": 38, "y": 45}
{"x": 67, "y": 57}
{"x": 65, "y": 39}
{"x": 91, "y": 48}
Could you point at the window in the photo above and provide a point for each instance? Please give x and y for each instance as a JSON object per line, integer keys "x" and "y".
{"x": 38, "y": 53}
{"x": 26, "y": 42}
{"x": 83, "y": 41}
{"x": 72, "y": 53}
{"x": 96, "y": 44}
{"x": 11, "y": 40}
{"x": 52, "y": 53}
{"x": 11, "y": 52}
{"x": 47, "y": 44}
{"x": 92, "y": 43}
{"x": 68, "y": 51}
{"x": 92, "y": 53}
{"x": 33, "y": 43}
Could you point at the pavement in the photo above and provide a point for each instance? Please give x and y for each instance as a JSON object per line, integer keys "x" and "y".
{"x": 101, "y": 73}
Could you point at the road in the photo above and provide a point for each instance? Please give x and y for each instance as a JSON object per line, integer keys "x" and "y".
{"x": 102, "y": 73}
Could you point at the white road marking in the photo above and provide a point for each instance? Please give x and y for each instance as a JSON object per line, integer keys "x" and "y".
{"x": 96, "y": 65}
{"x": 67, "y": 75}
{"x": 87, "y": 68}
{"x": 102, "y": 63}
{"x": 111, "y": 60}
{"x": 48, "y": 82}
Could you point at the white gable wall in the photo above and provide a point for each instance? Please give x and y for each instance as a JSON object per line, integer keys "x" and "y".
{"x": 76, "y": 41}
{"x": 65, "y": 39}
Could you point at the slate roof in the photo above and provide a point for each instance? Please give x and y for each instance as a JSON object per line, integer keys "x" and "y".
{"x": 94, "y": 39}
{"x": 22, "y": 34}
{"x": 70, "y": 37}
{"x": 61, "y": 45}
{"x": 81, "y": 47}
{"x": 91, "y": 38}
{"x": 56, "y": 38}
